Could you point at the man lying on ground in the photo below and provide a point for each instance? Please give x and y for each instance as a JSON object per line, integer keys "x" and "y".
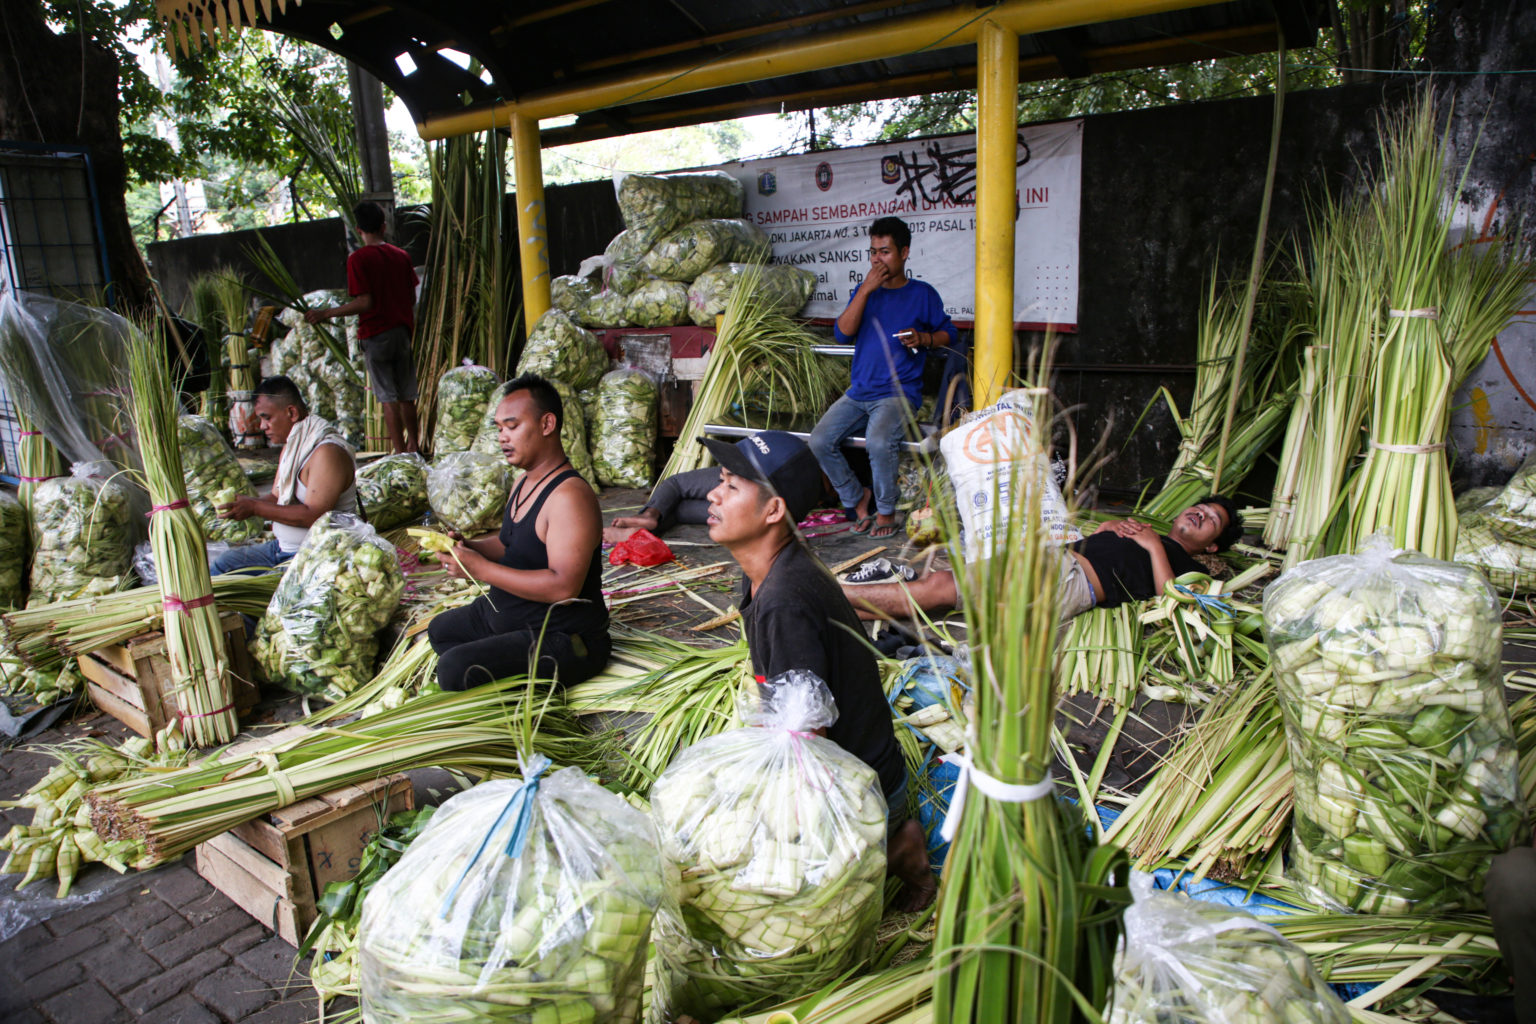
{"x": 1121, "y": 561}
{"x": 546, "y": 599}
{"x": 795, "y": 617}
{"x": 683, "y": 498}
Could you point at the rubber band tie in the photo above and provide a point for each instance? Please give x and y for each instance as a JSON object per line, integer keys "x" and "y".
{"x": 519, "y": 810}
{"x": 173, "y": 603}
{"x": 997, "y": 789}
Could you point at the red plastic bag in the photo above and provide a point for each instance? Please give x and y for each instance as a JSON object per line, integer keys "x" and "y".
{"x": 642, "y": 548}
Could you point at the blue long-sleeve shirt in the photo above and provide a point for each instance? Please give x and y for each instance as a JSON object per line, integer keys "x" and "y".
{"x": 883, "y": 366}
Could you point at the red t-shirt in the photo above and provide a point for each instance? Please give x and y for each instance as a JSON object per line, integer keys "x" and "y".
{"x": 383, "y": 271}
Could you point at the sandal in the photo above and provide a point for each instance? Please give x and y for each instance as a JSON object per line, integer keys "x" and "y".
{"x": 882, "y": 531}
{"x": 864, "y": 524}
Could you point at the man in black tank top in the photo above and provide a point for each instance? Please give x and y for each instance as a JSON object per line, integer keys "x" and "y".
{"x": 795, "y": 617}
{"x": 546, "y": 600}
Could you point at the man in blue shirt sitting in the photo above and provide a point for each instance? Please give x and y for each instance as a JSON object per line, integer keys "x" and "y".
{"x": 892, "y": 321}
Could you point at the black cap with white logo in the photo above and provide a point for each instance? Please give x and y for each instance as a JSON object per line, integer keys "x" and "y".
{"x": 778, "y": 459}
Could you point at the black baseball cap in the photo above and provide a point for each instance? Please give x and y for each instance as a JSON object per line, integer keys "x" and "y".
{"x": 777, "y": 459}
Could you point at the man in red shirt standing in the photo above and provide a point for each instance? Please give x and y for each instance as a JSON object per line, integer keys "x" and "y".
{"x": 382, "y": 284}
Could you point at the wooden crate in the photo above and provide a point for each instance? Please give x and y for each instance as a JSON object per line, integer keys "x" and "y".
{"x": 132, "y": 681}
{"x": 277, "y": 866}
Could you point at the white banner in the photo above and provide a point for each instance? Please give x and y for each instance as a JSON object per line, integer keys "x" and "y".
{"x": 817, "y": 209}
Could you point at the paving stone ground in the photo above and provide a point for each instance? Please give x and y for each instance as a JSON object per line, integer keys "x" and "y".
{"x": 162, "y": 945}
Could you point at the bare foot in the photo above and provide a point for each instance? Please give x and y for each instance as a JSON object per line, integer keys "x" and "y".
{"x": 906, "y": 857}
{"x": 885, "y": 526}
{"x": 863, "y": 514}
{"x": 865, "y": 501}
{"x": 624, "y": 527}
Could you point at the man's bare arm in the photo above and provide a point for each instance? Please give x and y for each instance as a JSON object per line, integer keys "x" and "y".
{"x": 1152, "y": 543}
{"x": 361, "y": 304}
{"x": 570, "y": 525}
{"x": 327, "y": 474}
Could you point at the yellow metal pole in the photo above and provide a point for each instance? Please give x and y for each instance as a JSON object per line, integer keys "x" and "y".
{"x": 532, "y": 228}
{"x": 952, "y": 25}
{"x": 997, "y": 123}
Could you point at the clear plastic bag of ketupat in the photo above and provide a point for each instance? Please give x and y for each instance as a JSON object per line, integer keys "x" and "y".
{"x": 624, "y": 433}
{"x": 393, "y": 490}
{"x": 468, "y": 491}
{"x": 524, "y": 901}
{"x": 83, "y": 527}
{"x": 461, "y": 396}
{"x": 1184, "y": 960}
{"x": 318, "y": 636}
{"x": 560, "y": 349}
{"x": 214, "y": 478}
{"x": 1387, "y": 666}
{"x": 14, "y": 542}
{"x": 773, "y": 848}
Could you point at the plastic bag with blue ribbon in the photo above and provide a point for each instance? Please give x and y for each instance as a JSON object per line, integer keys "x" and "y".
{"x": 773, "y": 844}
{"x": 524, "y": 901}
{"x": 1203, "y": 963}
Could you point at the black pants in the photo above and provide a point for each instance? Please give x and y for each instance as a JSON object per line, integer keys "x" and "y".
{"x": 683, "y": 498}
{"x": 1511, "y": 896}
{"x": 475, "y": 646}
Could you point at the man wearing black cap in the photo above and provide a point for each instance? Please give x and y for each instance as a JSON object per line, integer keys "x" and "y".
{"x": 795, "y": 617}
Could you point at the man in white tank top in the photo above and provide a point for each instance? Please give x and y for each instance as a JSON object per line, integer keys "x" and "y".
{"x": 315, "y": 475}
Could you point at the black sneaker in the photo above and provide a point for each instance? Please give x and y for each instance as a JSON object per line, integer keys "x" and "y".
{"x": 879, "y": 570}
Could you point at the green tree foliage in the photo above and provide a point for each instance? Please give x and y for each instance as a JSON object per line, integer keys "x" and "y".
{"x": 220, "y": 109}
{"x": 412, "y": 173}
{"x": 125, "y": 29}
{"x": 670, "y": 149}
{"x": 1358, "y": 36}
{"x": 945, "y": 112}
{"x": 223, "y": 106}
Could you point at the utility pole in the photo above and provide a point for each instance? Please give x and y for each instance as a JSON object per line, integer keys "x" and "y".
{"x": 372, "y": 136}
{"x": 167, "y": 130}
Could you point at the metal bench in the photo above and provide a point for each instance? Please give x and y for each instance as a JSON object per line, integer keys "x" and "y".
{"x": 927, "y": 444}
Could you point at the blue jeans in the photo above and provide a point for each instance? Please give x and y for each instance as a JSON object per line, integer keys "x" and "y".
{"x": 252, "y": 559}
{"x": 884, "y": 422}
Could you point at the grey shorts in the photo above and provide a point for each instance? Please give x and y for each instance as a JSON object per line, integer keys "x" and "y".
{"x": 391, "y": 368}
{"x": 1074, "y": 594}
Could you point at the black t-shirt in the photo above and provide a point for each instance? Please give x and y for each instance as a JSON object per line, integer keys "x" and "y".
{"x": 1125, "y": 567}
{"x": 799, "y": 619}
